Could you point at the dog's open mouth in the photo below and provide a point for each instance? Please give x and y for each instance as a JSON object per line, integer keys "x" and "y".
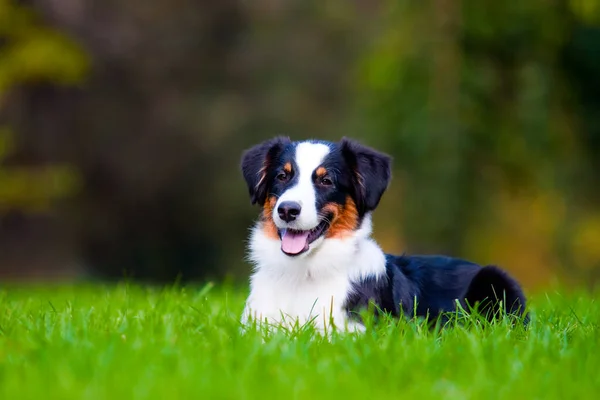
{"x": 294, "y": 242}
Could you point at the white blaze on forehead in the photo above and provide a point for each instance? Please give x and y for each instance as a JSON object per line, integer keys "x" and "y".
{"x": 309, "y": 157}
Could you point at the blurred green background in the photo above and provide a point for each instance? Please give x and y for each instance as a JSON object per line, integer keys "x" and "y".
{"x": 122, "y": 124}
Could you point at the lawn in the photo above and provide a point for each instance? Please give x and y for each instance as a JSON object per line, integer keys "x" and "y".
{"x": 133, "y": 342}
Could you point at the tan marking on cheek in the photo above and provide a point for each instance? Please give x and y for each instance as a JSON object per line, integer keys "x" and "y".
{"x": 269, "y": 228}
{"x": 344, "y": 220}
{"x": 321, "y": 172}
{"x": 287, "y": 167}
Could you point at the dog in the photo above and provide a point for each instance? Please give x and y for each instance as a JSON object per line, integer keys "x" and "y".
{"x": 315, "y": 261}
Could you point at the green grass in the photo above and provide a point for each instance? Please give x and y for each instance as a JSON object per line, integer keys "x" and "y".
{"x": 112, "y": 342}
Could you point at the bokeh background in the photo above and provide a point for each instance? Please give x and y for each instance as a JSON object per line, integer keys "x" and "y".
{"x": 122, "y": 124}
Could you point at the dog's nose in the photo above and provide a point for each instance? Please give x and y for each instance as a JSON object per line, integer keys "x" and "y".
{"x": 289, "y": 210}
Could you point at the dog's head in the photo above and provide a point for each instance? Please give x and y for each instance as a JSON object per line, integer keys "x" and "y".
{"x": 311, "y": 191}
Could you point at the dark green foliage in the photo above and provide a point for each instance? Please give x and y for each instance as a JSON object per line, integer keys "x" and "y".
{"x": 489, "y": 110}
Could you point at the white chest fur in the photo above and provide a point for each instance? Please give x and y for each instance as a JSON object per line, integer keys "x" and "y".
{"x": 313, "y": 287}
{"x": 278, "y": 302}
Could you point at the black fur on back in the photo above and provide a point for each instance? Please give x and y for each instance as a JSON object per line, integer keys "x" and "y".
{"x": 427, "y": 286}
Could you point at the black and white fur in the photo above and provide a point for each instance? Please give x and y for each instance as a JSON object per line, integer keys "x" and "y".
{"x": 336, "y": 275}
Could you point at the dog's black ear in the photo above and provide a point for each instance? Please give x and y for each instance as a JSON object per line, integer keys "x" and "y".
{"x": 371, "y": 173}
{"x": 255, "y": 165}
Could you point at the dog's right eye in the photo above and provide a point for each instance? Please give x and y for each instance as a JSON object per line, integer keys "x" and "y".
{"x": 282, "y": 176}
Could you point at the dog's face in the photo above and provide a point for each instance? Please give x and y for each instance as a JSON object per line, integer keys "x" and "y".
{"x": 312, "y": 191}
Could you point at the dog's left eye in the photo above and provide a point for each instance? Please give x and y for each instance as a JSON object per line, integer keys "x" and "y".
{"x": 326, "y": 181}
{"x": 282, "y": 176}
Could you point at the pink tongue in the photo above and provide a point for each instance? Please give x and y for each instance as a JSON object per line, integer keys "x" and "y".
{"x": 294, "y": 242}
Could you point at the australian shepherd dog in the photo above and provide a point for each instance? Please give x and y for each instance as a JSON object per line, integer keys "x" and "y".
{"x": 313, "y": 255}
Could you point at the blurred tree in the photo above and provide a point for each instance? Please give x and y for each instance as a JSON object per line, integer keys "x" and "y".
{"x": 490, "y": 110}
{"x": 476, "y": 109}
{"x": 30, "y": 53}
{"x": 32, "y": 189}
